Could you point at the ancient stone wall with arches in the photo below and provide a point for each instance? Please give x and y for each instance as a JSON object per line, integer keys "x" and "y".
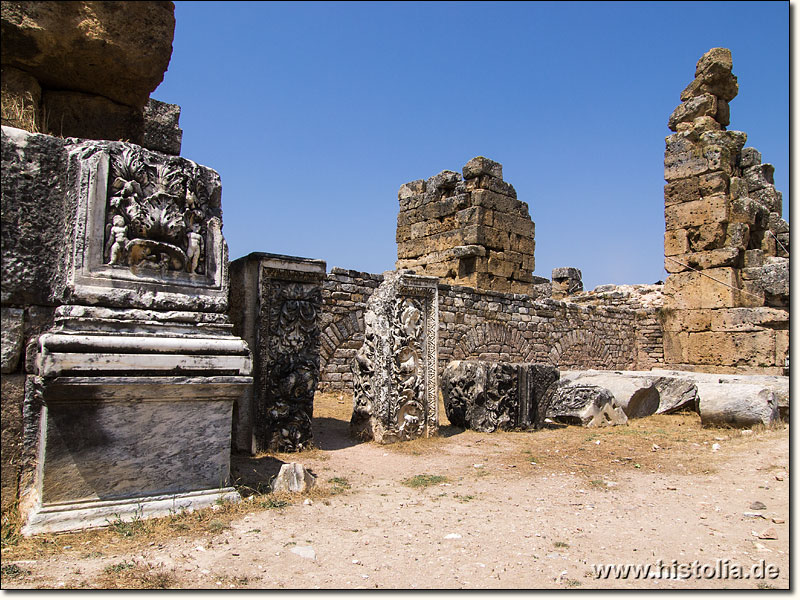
{"x": 585, "y": 332}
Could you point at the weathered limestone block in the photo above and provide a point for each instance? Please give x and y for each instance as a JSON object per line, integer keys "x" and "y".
{"x": 713, "y": 76}
{"x": 566, "y": 281}
{"x": 35, "y": 213}
{"x": 12, "y": 338}
{"x": 771, "y": 198}
{"x": 713, "y": 236}
{"x": 119, "y": 50}
{"x": 696, "y": 213}
{"x": 80, "y": 115}
{"x": 395, "y": 370}
{"x": 482, "y": 166}
{"x": 490, "y": 396}
{"x": 275, "y": 305}
{"x": 12, "y": 393}
{"x": 714, "y": 288}
{"x": 759, "y": 176}
{"x": 636, "y": 396}
{"x": 586, "y": 405}
{"x": 749, "y": 319}
{"x": 683, "y": 158}
{"x": 697, "y": 106}
{"x": 739, "y": 405}
{"x": 161, "y": 130}
{"x": 676, "y": 241}
{"x": 682, "y": 190}
{"x": 756, "y": 348}
{"x": 294, "y": 478}
{"x": 722, "y": 257}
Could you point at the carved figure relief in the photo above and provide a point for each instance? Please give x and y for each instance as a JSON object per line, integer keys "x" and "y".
{"x": 157, "y": 214}
{"x": 291, "y": 370}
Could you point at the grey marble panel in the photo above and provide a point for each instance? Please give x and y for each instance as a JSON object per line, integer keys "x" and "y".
{"x": 111, "y": 450}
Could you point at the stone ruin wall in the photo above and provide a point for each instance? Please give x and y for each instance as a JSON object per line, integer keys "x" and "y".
{"x": 726, "y": 247}
{"x": 608, "y": 330}
{"x": 469, "y": 230}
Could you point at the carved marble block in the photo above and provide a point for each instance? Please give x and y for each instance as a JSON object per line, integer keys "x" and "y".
{"x": 490, "y": 396}
{"x": 135, "y": 382}
{"x": 395, "y": 375}
{"x": 587, "y": 405}
{"x": 275, "y": 303}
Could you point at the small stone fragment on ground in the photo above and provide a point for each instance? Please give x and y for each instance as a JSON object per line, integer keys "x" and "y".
{"x": 305, "y": 552}
{"x": 293, "y": 477}
{"x": 757, "y": 505}
{"x": 768, "y": 534}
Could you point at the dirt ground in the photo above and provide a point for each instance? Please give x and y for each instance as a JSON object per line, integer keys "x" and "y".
{"x": 516, "y": 510}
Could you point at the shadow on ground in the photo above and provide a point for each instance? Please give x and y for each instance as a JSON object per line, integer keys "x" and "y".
{"x": 253, "y": 473}
{"x": 332, "y": 434}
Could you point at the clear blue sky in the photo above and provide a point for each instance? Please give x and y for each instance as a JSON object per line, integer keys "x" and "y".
{"x": 314, "y": 114}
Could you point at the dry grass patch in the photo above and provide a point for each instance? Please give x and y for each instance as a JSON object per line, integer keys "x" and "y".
{"x": 132, "y": 575}
{"x": 137, "y": 533}
{"x": 333, "y": 405}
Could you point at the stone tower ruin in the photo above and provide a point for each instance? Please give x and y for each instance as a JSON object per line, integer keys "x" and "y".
{"x": 726, "y": 247}
{"x": 469, "y": 231}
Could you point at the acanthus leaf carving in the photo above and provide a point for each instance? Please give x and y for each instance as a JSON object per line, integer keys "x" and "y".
{"x": 157, "y": 213}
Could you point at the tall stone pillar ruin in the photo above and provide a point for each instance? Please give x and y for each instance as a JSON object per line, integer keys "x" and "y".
{"x": 726, "y": 247}
{"x": 275, "y": 306}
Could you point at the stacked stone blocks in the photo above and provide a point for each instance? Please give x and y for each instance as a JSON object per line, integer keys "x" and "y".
{"x": 725, "y": 245}
{"x": 615, "y": 329}
{"x": 467, "y": 229}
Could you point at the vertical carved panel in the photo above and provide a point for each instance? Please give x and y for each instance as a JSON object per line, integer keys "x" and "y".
{"x": 394, "y": 372}
{"x": 289, "y": 365}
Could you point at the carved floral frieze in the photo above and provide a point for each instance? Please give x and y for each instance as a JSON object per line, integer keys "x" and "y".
{"x": 157, "y": 214}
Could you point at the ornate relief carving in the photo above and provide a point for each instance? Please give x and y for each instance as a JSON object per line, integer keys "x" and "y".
{"x": 394, "y": 372}
{"x": 158, "y": 213}
{"x": 490, "y": 396}
{"x": 290, "y": 369}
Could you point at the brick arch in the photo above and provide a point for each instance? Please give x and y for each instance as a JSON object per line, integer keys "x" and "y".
{"x": 495, "y": 338}
{"x": 341, "y": 333}
{"x": 579, "y": 349}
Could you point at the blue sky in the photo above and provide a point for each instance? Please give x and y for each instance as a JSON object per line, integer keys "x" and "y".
{"x": 314, "y": 114}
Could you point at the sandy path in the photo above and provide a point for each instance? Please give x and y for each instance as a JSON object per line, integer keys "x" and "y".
{"x": 505, "y": 523}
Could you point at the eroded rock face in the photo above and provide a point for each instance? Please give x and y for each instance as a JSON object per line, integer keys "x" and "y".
{"x": 119, "y": 50}
{"x": 587, "y": 405}
{"x": 394, "y": 372}
{"x": 490, "y": 396}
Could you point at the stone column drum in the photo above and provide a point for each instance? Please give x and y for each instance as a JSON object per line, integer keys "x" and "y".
{"x": 275, "y": 305}
{"x": 395, "y": 371}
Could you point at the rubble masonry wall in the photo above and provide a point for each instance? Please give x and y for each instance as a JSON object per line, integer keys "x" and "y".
{"x": 611, "y": 330}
